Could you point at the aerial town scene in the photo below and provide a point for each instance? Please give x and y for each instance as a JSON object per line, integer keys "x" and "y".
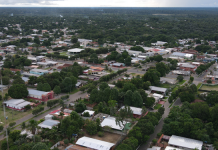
{"x": 112, "y": 75}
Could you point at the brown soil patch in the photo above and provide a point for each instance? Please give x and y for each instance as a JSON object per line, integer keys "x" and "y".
{"x": 108, "y": 137}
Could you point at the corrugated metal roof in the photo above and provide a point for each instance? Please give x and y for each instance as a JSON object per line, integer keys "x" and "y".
{"x": 154, "y": 88}
{"x": 135, "y": 110}
{"x": 94, "y": 143}
{"x": 111, "y": 121}
{"x": 185, "y": 142}
{"x": 48, "y": 124}
{"x": 36, "y": 92}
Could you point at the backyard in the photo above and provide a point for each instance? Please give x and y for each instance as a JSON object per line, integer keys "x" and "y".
{"x": 181, "y": 82}
{"x": 209, "y": 88}
{"x": 108, "y": 137}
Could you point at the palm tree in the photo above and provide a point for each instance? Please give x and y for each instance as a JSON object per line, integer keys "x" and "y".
{"x": 33, "y": 124}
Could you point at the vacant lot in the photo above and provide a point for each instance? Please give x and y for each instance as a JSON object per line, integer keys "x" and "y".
{"x": 209, "y": 88}
{"x": 12, "y": 115}
{"x": 108, "y": 137}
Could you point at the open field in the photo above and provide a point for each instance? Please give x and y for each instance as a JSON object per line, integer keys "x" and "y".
{"x": 64, "y": 53}
{"x": 12, "y": 115}
{"x": 108, "y": 137}
{"x": 209, "y": 88}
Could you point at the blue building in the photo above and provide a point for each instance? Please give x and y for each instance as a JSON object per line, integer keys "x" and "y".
{"x": 38, "y": 71}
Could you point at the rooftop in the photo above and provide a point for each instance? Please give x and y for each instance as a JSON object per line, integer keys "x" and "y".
{"x": 111, "y": 121}
{"x": 36, "y": 92}
{"x": 48, "y": 124}
{"x": 94, "y": 143}
{"x": 154, "y": 88}
{"x": 185, "y": 142}
{"x": 75, "y": 50}
{"x": 136, "y": 111}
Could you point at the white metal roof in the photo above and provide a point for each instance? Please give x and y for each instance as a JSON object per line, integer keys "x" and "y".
{"x": 94, "y": 143}
{"x": 185, "y": 142}
{"x": 111, "y": 121}
{"x": 171, "y": 148}
{"x": 48, "y": 124}
{"x": 39, "y": 70}
{"x": 25, "y": 79}
{"x": 36, "y": 92}
{"x": 135, "y": 110}
{"x": 89, "y": 111}
{"x": 154, "y": 88}
{"x": 75, "y": 50}
{"x": 17, "y": 103}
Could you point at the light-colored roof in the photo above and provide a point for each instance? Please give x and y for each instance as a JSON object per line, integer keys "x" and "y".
{"x": 89, "y": 111}
{"x": 135, "y": 110}
{"x": 158, "y": 95}
{"x": 17, "y": 103}
{"x": 48, "y": 124}
{"x": 172, "y": 148}
{"x": 154, "y": 148}
{"x": 94, "y": 143}
{"x": 39, "y": 70}
{"x": 75, "y": 50}
{"x": 154, "y": 88}
{"x": 36, "y": 92}
{"x": 185, "y": 142}
{"x": 169, "y": 80}
{"x": 111, "y": 121}
{"x": 25, "y": 79}
{"x": 178, "y": 54}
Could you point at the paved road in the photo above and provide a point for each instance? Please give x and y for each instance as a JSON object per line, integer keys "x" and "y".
{"x": 158, "y": 128}
{"x": 72, "y": 98}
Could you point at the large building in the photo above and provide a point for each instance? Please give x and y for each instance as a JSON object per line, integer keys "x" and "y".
{"x": 16, "y": 104}
{"x": 75, "y": 51}
{"x": 40, "y": 95}
{"x": 94, "y": 143}
{"x": 184, "y": 143}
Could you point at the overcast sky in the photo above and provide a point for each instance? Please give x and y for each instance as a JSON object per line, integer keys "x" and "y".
{"x": 109, "y": 3}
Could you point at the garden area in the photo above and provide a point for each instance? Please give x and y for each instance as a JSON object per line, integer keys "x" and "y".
{"x": 182, "y": 82}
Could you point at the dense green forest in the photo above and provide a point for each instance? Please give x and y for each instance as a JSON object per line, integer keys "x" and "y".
{"x": 145, "y": 25}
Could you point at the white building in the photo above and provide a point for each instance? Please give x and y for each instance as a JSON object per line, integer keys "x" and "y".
{"x": 48, "y": 124}
{"x": 16, "y": 104}
{"x": 75, "y": 50}
{"x": 94, "y": 143}
{"x": 111, "y": 121}
{"x": 184, "y": 143}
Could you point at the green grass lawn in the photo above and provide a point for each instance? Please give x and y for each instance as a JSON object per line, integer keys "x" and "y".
{"x": 165, "y": 97}
{"x": 12, "y": 115}
{"x": 165, "y": 85}
{"x": 209, "y": 88}
{"x": 157, "y": 106}
{"x": 183, "y": 81}
{"x": 176, "y": 88}
{"x": 63, "y": 53}
{"x": 199, "y": 85}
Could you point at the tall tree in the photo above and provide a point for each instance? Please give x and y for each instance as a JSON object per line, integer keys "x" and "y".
{"x": 18, "y": 91}
{"x": 128, "y": 98}
{"x": 137, "y": 99}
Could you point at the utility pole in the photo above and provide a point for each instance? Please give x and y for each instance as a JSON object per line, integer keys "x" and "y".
{"x": 4, "y": 113}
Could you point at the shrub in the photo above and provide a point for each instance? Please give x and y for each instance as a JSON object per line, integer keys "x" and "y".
{"x": 12, "y": 124}
{"x": 154, "y": 141}
{"x": 66, "y": 141}
{"x": 100, "y": 134}
{"x": 86, "y": 114}
{"x": 42, "y": 103}
{"x": 159, "y": 134}
{"x": 81, "y": 133}
{"x": 72, "y": 140}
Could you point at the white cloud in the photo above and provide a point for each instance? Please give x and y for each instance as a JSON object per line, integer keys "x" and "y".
{"x": 112, "y": 3}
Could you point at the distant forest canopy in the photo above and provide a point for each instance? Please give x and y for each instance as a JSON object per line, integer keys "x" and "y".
{"x": 145, "y": 25}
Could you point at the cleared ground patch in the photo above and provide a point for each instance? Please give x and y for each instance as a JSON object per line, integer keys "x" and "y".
{"x": 108, "y": 137}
